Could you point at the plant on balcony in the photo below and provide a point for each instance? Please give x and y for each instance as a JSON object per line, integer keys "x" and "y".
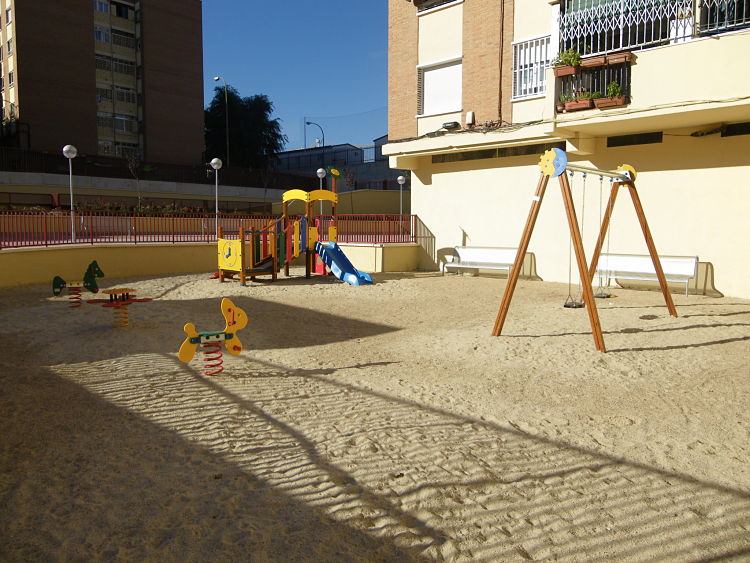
{"x": 562, "y": 100}
{"x": 591, "y": 62}
{"x": 618, "y": 58}
{"x": 582, "y": 100}
{"x": 614, "y": 99}
{"x": 566, "y": 62}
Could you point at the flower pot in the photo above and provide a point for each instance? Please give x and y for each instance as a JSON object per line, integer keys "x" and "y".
{"x": 617, "y": 102}
{"x": 618, "y": 58}
{"x": 590, "y": 62}
{"x": 576, "y": 105}
{"x": 564, "y": 70}
{"x": 560, "y": 107}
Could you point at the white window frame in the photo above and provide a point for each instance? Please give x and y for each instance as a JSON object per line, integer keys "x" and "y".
{"x": 425, "y": 69}
{"x": 531, "y": 58}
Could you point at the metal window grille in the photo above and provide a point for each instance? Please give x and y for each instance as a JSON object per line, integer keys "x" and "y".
{"x": 103, "y": 63}
{"x": 530, "y": 59}
{"x": 601, "y": 26}
{"x": 125, "y": 95}
{"x": 101, "y": 34}
{"x": 123, "y": 67}
{"x": 103, "y": 94}
{"x": 121, "y": 39}
{"x": 723, "y": 15}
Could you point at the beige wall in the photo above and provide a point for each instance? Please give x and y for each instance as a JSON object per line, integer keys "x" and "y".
{"x": 440, "y": 35}
{"x": 40, "y": 265}
{"x": 27, "y": 266}
{"x": 532, "y": 19}
{"x": 693, "y": 189}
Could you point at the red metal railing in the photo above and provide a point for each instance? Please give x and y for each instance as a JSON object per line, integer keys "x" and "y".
{"x": 39, "y": 228}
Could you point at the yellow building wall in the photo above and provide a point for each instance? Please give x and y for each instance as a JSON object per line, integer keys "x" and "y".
{"x": 441, "y": 35}
{"x": 39, "y": 265}
{"x": 693, "y": 189}
{"x": 531, "y": 18}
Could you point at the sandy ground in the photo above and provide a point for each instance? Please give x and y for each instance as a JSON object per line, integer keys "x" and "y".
{"x": 374, "y": 423}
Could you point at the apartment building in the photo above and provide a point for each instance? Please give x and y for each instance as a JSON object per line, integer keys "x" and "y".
{"x": 112, "y": 77}
{"x": 474, "y": 101}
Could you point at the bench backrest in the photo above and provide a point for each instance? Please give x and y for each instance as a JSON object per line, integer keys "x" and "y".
{"x": 672, "y": 265}
{"x": 486, "y": 255}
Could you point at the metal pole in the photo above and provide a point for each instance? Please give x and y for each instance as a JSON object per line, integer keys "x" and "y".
{"x": 72, "y": 219}
{"x": 620, "y": 177}
{"x": 226, "y": 117}
{"x": 216, "y": 199}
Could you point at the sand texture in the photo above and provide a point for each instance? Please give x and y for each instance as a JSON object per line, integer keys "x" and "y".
{"x": 374, "y": 423}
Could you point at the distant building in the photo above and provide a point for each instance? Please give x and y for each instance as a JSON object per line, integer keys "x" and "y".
{"x": 361, "y": 167}
{"x": 111, "y": 77}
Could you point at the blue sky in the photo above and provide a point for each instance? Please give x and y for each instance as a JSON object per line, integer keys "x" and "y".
{"x": 323, "y": 60}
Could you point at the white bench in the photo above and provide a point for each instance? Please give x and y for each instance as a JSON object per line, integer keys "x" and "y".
{"x": 677, "y": 269}
{"x": 481, "y": 258}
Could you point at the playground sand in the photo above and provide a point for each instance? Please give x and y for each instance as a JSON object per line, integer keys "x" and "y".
{"x": 375, "y": 423}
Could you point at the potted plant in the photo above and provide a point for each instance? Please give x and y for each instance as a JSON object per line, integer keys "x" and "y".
{"x": 590, "y": 62}
{"x": 566, "y": 62}
{"x": 618, "y": 58}
{"x": 563, "y": 99}
{"x": 583, "y": 100}
{"x": 615, "y": 97}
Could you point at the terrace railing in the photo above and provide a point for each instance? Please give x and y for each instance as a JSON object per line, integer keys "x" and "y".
{"x": 602, "y": 26}
{"x": 19, "y": 229}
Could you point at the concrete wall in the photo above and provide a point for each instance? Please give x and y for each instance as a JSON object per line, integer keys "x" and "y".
{"x": 40, "y": 265}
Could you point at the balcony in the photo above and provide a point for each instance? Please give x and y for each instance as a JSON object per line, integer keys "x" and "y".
{"x": 602, "y": 26}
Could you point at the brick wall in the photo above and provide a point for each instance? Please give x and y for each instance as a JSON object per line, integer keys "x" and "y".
{"x": 487, "y": 63}
{"x": 402, "y": 69}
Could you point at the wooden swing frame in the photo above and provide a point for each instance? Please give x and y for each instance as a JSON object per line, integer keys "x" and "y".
{"x": 554, "y": 163}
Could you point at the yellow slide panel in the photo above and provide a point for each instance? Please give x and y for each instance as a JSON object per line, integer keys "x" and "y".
{"x": 312, "y": 237}
{"x": 332, "y": 233}
{"x": 230, "y": 254}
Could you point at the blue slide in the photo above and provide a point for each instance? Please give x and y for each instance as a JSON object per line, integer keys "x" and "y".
{"x": 340, "y": 266}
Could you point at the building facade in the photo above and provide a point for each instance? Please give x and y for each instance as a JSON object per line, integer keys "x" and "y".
{"x": 474, "y": 101}
{"x": 113, "y": 78}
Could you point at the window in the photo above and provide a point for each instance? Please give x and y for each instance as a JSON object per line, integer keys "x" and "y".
{"x": 2, "y": 82}
{"x": 8, "y": 16}
{"x": 123, "y": 66}
{"x": 637, "y": 139}
{"x": 530, "y": 60}
{"x": 126, "y": 95}
{"x": 104, "y": 120}
{"x": 440, "y": 88}
{"x": 429, "y": 4}
{"x": 103, "y": 94}
{"x": 120, "y": 10}
{"x": 10, "y": 47}
{"x": 123, "y": 39}
{"x": 101, "y": 34}
{"x": 10, "y": 78}
{"x": 101, "y": 6}
{"x": 125, "y": 123}
{"x": 103, "y": 62}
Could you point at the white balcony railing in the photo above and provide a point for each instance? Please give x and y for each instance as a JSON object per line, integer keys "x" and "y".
{"x": 602, "y": 26}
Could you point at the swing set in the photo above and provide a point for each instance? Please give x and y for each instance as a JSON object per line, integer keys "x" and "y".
{"x": 554, "y": 163}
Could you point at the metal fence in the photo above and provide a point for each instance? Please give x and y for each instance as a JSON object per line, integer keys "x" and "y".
{"x": 19, "y": 229}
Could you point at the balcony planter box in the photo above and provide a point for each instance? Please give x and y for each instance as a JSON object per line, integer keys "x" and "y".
{"x": 602, "y": 103}
{"x": 618, "y": 58}
{"x": 564, "y": 70}
{"x": 560, "y": 107}
{"x": 590, "y": 62}
{"x": 576, "y": 105}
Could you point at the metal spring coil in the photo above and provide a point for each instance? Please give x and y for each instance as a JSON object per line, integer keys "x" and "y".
{"x": 212, "y": 358}
{"x": 120, "y": 314}
{"x": 74, "y": 297}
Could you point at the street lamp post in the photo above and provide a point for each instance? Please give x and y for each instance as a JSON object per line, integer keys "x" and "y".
{"x": 323, "y": 139}
{"x": 401, "y": 181}
{"x": 226, "y": 114}
{"x": 70, "y": 153}
{"x": 216, "y": 164}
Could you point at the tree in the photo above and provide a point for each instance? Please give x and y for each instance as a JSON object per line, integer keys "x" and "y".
{"x": 254, "y": 138}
